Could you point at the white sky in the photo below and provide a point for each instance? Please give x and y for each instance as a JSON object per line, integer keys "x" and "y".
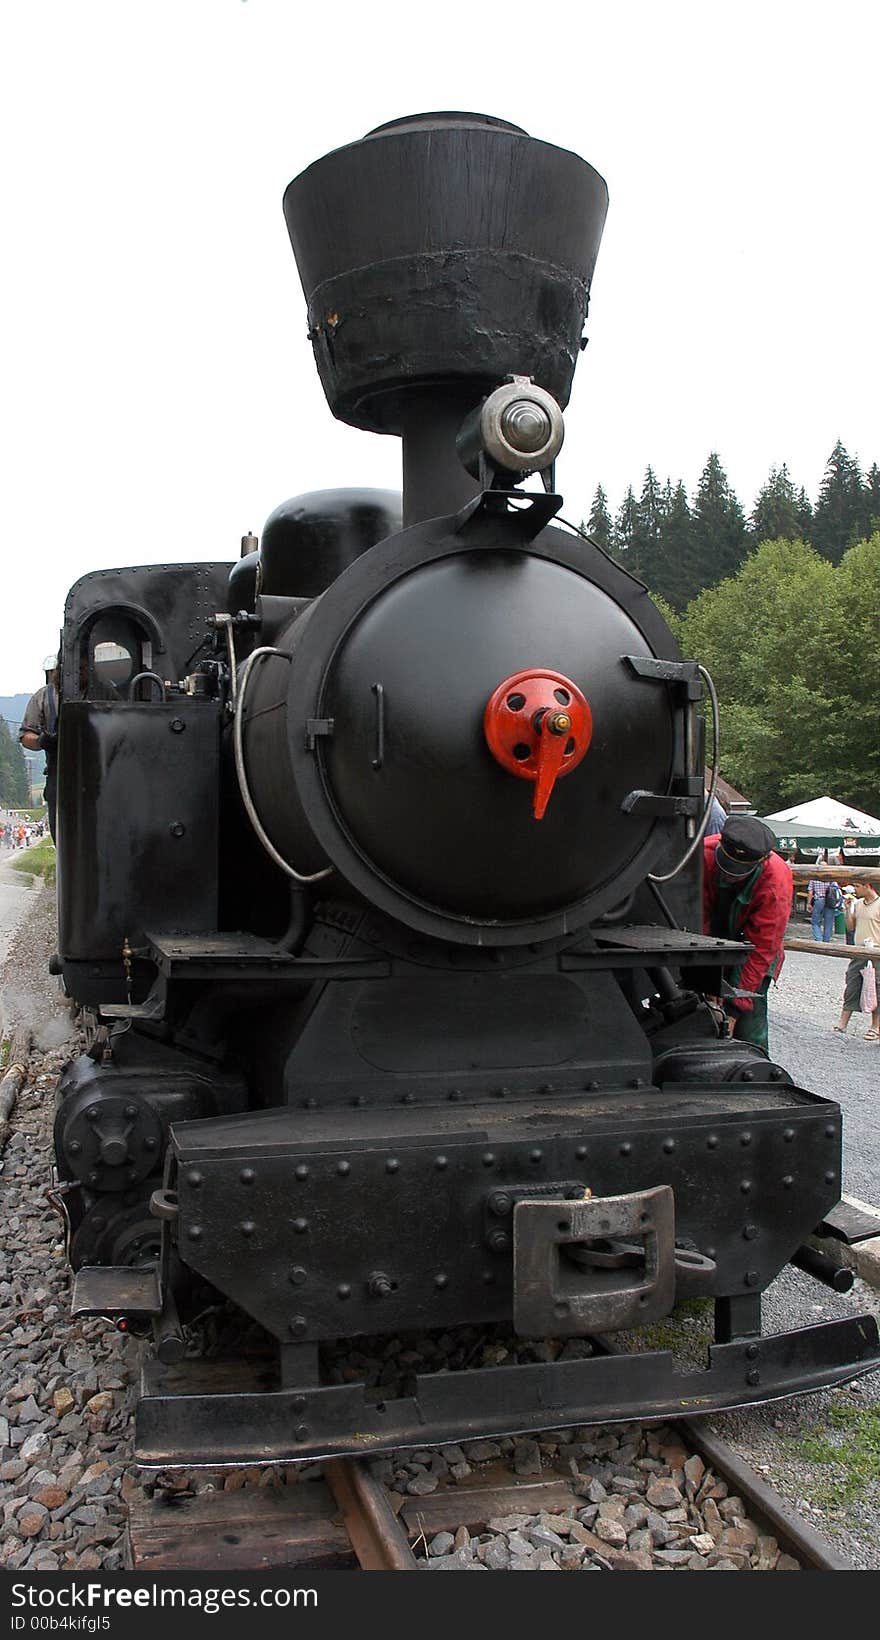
{"x": 158, "y": 394}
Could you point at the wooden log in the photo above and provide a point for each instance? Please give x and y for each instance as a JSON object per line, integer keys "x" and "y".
{"x": 10, "y": 1088}
{"x": 13, "y": 1081}
{"x": 836, "y": 874}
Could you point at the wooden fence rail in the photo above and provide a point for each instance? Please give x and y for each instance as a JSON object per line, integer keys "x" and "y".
{"x": 836, "y": 874}
{"x": 831, "y": 949}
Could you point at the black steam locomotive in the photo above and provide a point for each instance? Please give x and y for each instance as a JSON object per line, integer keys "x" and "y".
{"x": 379, "y": 884}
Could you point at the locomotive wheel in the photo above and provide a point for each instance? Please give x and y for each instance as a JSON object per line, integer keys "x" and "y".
{"x": 115, "y": 1233}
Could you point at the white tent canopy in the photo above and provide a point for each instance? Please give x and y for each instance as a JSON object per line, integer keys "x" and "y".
{"x": 826, "y": 814}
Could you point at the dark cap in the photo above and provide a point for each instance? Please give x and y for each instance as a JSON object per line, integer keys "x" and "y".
{"x": 745, "y": 842}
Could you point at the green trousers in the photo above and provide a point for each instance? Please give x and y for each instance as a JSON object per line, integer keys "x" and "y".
{"x": 752, "y": 1027}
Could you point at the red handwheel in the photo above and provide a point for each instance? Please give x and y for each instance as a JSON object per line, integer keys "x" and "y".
{"x": 538, "y": 725}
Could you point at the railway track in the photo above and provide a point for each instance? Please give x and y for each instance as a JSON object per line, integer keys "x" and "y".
{"x": 348, "y": 1519}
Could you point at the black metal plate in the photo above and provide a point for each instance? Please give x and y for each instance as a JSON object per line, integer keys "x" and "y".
{"x": 643, "y": 945}
{"x": 291, "y": 1213}
{"x": 215, "y": 954}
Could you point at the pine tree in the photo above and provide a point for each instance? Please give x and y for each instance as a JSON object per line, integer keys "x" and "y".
{"x": 805, "y": 516}
{"x": 872, "y": 500}
{"x": 777, "y": 513}
{"x": 718, "y": 526}
{"x": 625, "y": 533}
{"x": 649, "y": 517}
{"x": 840, "y": 516}
{"x": 675, "y": 576}
{"x": 600, "y": 526}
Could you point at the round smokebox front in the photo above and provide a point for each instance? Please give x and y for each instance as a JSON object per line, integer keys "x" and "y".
{"x": 436, "y": 713}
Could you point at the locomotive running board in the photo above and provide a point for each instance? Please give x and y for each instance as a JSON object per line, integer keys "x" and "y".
{"x": 178, "y": 1424}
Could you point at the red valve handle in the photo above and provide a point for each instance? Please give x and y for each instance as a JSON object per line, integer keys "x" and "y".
{"x": 538, "y": 725}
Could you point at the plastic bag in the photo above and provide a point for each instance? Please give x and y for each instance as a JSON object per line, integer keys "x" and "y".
{"x": 869, "y": 989}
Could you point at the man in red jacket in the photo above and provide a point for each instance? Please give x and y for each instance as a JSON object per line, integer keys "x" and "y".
{"x": 747, "y": 895}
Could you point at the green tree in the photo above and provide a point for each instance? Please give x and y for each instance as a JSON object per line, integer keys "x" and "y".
{"x": 718, "y": 529}
{"x": 767, "y": 635}
{"x": 852, "y": 679}
{"x": 14, "y": 783}
{"x": 778, "y": 511}
{"x": 840, "y": 517}
{"x": 599, "y": 525}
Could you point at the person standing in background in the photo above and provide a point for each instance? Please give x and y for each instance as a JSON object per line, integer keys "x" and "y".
{"x": 39, "y": 732}
{"x": 864, "y": 921}
{"x": 717, "y": 817}
{"x": 833, "y": 904}
{"x": 819, "y": 909}
{"x": 849, "y": 908}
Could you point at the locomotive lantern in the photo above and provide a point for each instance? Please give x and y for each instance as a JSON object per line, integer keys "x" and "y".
{"x": 379, "y": 885}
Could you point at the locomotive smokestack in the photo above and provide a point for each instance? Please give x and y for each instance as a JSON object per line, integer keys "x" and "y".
{"x": 440, "y": 255}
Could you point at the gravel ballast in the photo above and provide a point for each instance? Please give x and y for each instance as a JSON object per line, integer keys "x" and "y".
{"x": 66, "y": 1415}
{"x": 66, "y": 1412}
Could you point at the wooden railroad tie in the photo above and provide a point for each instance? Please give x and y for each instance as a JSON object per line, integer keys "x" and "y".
{"x": 318, "y": 1524}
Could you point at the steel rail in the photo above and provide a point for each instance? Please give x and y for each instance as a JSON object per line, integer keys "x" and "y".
{"x": 377, "y": 1536}
{"x": 765, "y": 1504}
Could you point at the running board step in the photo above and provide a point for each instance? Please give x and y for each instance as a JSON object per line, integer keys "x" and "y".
{"x": 110, "y": 1289}
{"x": 851, "y": 1221}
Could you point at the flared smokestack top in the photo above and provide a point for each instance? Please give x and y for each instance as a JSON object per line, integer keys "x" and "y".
{"x": 443, "y": 251}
